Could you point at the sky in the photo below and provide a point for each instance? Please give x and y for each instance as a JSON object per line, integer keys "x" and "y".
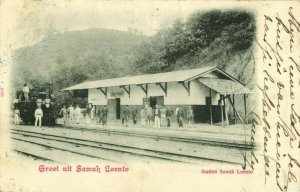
{"x": 29, "y": 21}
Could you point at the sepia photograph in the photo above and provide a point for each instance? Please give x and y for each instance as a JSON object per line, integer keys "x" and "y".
{"x": 179, "y": 94}
{"x": 127, "y": 88}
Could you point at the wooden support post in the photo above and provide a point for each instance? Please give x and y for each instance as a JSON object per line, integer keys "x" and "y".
{"x": 245, "y": 107}
{"x": 210, "y": 108}
{"x": 126, "y": 90}
{"x": 187, "y": 87}
{"x": 145, "y": 89}
{"x": 236, "y": 111}
{"x": 222, "y": 118}
{"x": 164, "y": 88}
{"x": 233, "y": 109}
{"x": 225, "y": 110}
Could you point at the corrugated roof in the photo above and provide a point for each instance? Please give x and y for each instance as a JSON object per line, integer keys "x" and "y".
{"x": 224, "y": 86}
{"x": 174, "y": 76}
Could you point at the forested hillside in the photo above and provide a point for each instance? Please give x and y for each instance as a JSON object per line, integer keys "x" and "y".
{"x": 214, "y": 38}
{"x": 76, "y": 56}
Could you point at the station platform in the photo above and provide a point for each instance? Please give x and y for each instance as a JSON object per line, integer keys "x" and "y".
{"x": 234, "y": 134}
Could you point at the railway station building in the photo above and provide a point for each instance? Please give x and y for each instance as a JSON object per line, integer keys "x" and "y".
{"x": 209, "y": 90}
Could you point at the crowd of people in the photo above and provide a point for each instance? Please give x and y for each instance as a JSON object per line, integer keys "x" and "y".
{"x": 71, "y": 114}
{"x": 101, "y": 114}
{"x": 159, "y": 116}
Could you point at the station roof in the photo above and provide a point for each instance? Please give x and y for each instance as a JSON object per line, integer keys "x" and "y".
{"x": 174, "y": 76}
{"x": 224, "y": 86}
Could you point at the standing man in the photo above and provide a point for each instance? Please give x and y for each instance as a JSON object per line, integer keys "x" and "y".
{"x": 100, "y": 115}
{"x": 149, "y": 114}
{"x": 104, "y": 113}
{"x": 64, "y": 112}
{"x": 190, "y": 116}
{"x": 92, "y": 112}
{"x": 77, "y": 113}
{"x": 180, "y": 117}
{"x": 169, "y": 113}
{"x": 26, "y": 92}
{"x": 47, "y": 101}
{"x": 134, "y": 114}
{"x": 163, "y": 116}
{"x": 126, "y": 113}
{"x": 176, "y": 113}
{"x": 143, "y": 116}
{"x": 87, "y": 114}
{"x": 38, "y": 116}
{"x": 71, "y": 111}
{"x": 17, "y": 115}
{"x": 156, "y": 117}
{"x": 47, "y": 111}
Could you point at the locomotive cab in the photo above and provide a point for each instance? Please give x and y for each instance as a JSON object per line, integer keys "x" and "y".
{"x": 28, "y": 107}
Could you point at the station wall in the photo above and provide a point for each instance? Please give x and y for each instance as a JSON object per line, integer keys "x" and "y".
{"x": 176, "y": 94}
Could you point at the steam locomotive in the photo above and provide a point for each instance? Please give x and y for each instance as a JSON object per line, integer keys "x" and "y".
{"x": 38, "y": 96}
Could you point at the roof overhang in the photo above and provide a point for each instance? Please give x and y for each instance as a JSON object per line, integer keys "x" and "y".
{"x": 225, "y": 86}
{"x": 218, "y": 70}
{"x": 176, "y": 76}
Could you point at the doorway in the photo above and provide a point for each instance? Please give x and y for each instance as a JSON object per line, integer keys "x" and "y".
{"x": 114, "y": 108}
{"x": 157, "y": 100}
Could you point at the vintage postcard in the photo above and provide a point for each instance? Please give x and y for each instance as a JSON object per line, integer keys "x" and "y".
{"x": 149, "y": 96}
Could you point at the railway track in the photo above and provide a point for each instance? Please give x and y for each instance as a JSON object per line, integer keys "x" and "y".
{"x": 97, "y": 149}
{"x": 86, "y": 147}
{"x": 35, "y": 157}
{"x": 200, "y": 141}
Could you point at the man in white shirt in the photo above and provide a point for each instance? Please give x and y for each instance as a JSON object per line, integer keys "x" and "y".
{"x": 149, "y": 114}
{"x": 26, "y": 91}
{"x": 64, "y": 113}
{"x": 163, "y": 111}
{"x": 176, "y": 113}
{"x": 156, "y": 117}
{"x": 71, "y": 113}
{"x": 38, "y": 116}
{"x": 77, "y": 112}
{"x": 17, "y": 116}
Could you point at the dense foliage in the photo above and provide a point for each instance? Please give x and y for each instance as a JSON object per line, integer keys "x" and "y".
{"x": 230, "y": 31}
